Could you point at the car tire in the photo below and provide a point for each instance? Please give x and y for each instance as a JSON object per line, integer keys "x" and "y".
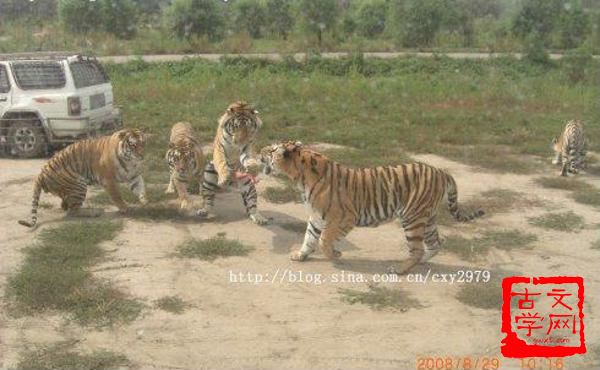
{"x": 27, "y": 140}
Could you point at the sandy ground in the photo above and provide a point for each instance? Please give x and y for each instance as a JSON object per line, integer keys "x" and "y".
{"x": 296, "y": 325}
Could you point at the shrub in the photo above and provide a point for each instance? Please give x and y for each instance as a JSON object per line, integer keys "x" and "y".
{"x": 112, "y": 16}
{"x": 421, "y": 21}
{"x": 249, "y": 17}
{"x": 279, "y": 17}
{"x": 370, "y": 20}
{"x": 318, "y": 16}
{"x": 574, "y": 27}
{"x": 39, "y": 9}
{"x": 187, "y": 18}
{"x": 577, "y": 64}
{"x": 537, "y": 17}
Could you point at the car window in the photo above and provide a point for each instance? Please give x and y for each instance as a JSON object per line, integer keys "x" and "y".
{"x": 4, "y": 84}
{"x": 32, "y": 75}
{"x": 87, "y": 73}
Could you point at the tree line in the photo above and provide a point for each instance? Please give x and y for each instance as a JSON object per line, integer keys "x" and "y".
{"x": 561, "y": 24}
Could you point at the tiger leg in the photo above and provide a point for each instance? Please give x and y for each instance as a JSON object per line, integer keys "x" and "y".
{"x": 209, "y": 189}
{"x": 311, "y": 239}
{"x": 432, "y": 240}
{"x": 182, "y": 194}
{"x": 415, "y": 233}
{"x": 566, "y": 159}
{"x": 112, "y": 188}
{"x": 249, "y": 197}
{"x": 73, "y": 202}
{"x": 138, "y": 188}
{"x": 330, "y": 234}
{"x": 171, "y": 187}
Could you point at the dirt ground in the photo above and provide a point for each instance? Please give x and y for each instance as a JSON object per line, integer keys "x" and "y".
{"x": 297, "y": 325}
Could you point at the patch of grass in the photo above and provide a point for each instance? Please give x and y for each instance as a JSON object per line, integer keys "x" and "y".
{"x": 479, "y": 247}
{"x": 172, "y": 304}
{"x": 285, "y": 194}
{"x": 154, "y": 193}
{"x": 60, "y": 357}
{"x": 379, "y": 298}
{"x": 481, "y": 295}
{"x": 565, "y": 221}
{"x": 158, "y": 213}
{"x": 581, "y": 192}
{"x": 213, "y": 248}
{"x": 55, "y": 276}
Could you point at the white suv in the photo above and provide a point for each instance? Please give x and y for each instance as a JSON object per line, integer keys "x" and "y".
{"x": 48, "y": 100}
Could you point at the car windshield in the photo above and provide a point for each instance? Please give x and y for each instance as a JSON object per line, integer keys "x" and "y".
{"x": 31, "y": 75}
{"x": 88, "y": 73}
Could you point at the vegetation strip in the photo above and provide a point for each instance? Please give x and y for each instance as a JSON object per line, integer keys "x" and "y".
{"x": 55, "y": 276}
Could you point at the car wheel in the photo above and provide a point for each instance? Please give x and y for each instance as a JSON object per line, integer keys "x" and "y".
{"x": 27, "y": 140}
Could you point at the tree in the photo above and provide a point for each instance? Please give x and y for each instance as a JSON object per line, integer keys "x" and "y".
{"x": 195, "y": 17}
{"x": 537, "y": 17}
{"x": 421, "y": 20}
{"x": 119, "y": 17}
{"x": 113, "y": 16}
{"x": 370, "y": 20}
{"x": 39, "y": 9}
{"x": 318, "y": 16}
{"x": 279, "y": 18}
{"x": 574, "y": 26}
{"x": 249, "y": 17}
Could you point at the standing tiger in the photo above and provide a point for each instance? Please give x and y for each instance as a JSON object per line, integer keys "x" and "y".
{"x": 232, "y": 159}
{"x": 569, "y": 148}
{"x": 185, "y": 160}
{"x": 341, "y": 198}
{"x": 108, "y": 161}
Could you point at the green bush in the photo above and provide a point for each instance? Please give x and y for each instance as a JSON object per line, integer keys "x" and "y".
{"x": 39, "y": 9}
{"x": 318, "y": 16}
{"x": 370, "y": 20}
{"x": 117, "y": 17}
{"x": 421, "y": 21}
{"x": 279, "y": 17}
{"x": 249, "y": 17}
{"x": 538, "y": 17}
{"x": 577, "y": 64}
{"x": 187, "y": 18}
{"x": 574, "y": 27}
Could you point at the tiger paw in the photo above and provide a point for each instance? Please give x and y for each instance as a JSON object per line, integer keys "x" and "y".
{"x": 335, "y": 254}
{"x": 170, "y": 190}
{"x": 258, "y": 219}
{"x": 297, "y": 255}
{"x": 143, "y": 200}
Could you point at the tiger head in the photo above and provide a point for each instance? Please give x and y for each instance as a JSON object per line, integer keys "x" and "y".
{"x": 181, "y": 157}
{"x": 282, "y": 158}
{"x": 131, "y": 143}
{"x": 240, "y": 122}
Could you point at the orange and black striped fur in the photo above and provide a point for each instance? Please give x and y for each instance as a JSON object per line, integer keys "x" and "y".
{"x": 232, "y": 154}
{"x": 186, "y": 162}
{"x": 569, "y": 148}
{"x": 107, "y": 161}
{"x": 341, "y": 198}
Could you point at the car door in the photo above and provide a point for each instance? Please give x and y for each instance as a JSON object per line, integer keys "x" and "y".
{"x": 4, "y": 90}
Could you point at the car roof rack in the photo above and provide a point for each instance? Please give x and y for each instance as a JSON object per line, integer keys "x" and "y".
{"x": 48, "y": 55}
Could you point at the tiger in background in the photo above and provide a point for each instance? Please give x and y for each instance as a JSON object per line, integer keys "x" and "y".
{"x": 108, "y": 160}
{"x": 570, "y": 148}
{"x": 341, "y": 198}
{"x": 232, "y": 160}
{"x": 186, "y": 162}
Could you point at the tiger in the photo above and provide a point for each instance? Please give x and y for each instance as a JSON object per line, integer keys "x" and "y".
{"x": 340, "y": 198}
{"x": 233, "y": 160}
{"x": 107, "y": 160}
{"x": 185, "y": 160}
{"x": 570, "y": 148}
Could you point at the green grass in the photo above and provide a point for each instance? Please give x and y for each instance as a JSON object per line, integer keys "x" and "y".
{"x": 213, "y": 248}
{"x": 565, "y": 221}
{"x": 489, "y": 114}
{"x": 56, "y": 276}
{"x": 379, "y": 298}
{"x": 476, "y": 248}
{"x": 581, "y": 192}
{"x": 481, "y": 295}
{"x": 60, "y": 357}
{"x": 172, "y": 304}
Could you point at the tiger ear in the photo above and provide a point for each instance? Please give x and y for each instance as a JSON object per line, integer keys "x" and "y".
{"x": 555, "y": 140}
{"x": 122, "y": 134}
